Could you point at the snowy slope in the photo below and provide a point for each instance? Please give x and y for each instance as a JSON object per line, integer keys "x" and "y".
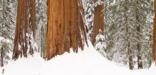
{"x": 87, "y": 62}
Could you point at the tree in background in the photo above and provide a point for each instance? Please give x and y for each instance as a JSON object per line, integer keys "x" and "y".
{"x": 41, "y": 25}
{"x": 66, "y": 30}
{"x": 128, "y": 32}
{"x": 25, "y": 29}
{"x": 98, "y": 21}
{"x": 7, "y": 29}
{"x": 142, "y": 32}
{"x": 5, "y": 50}
{"x": 154, "y": 33}
{"x": 88, "y": 13}
{"x": 94, "y": 18}
{"x": 7, "y": 18}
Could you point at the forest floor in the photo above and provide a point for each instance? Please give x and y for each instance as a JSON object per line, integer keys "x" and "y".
{"x": 86, "y": 62}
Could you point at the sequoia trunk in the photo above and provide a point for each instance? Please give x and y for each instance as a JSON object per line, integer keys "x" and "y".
{"x": 65, "y": 28}
{"x": 25, "y": 28}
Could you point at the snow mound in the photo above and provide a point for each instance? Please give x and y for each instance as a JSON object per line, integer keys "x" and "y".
{"x": 86, "y": 62}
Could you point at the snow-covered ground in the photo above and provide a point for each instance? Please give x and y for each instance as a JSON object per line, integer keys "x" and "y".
{"x": 87, "y": 62}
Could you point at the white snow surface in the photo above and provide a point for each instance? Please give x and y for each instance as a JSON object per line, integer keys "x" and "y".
{"x": 86, "y": 62}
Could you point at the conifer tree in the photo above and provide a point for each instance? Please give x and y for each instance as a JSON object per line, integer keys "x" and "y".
{"x": 98, "y": 23}
{"x": 25, "y": 29}
{"x": 66, "y": 30}
{"x": 7, "y": 29}
{"x": 154, "y": 33}
{"x": 128, "y": 32}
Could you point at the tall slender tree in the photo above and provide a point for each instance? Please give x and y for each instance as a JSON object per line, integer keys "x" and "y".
{"x": 41, "y": 19}
{"x": 66, "y": 30}
{"x": 25, "y": 28}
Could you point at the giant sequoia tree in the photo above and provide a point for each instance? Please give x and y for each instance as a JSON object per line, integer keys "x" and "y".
{"x": 65, "y": 28}
{"x": 98, "y": 23}
{"x": 25, "y": 28}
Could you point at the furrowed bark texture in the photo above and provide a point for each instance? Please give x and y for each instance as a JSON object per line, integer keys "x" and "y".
{"x": 65, "y": 28}
{"x": 25, "y": 28}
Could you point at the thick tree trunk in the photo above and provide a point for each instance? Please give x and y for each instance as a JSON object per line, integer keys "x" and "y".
{"x": 25, "y": 28}
{"x": 98, "y": 22}
{"x": 154, "y": 33}
{"x": 65, "y": 28}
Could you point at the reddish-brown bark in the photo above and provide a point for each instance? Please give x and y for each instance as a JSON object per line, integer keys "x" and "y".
{"x": 154, "y": 33}
{"x": 98, "y": 22}
{"x": 25, "y": 24}
{"x": 65, "y": 28}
